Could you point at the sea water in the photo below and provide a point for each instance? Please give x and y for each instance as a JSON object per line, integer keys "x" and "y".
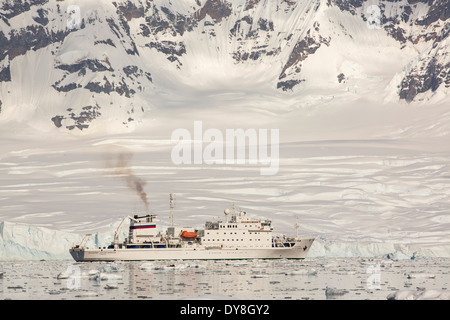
{"x": 312, "y": 278}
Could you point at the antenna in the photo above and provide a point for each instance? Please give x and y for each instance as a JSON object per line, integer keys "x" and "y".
{"x": 296, "y": 226}
{"x": 227, "y": 212}
{"x": 172, "y": 205}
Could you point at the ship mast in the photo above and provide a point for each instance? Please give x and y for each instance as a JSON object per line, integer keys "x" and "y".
{"x": 296, "y": 226}
{"x": 172, "y": 205}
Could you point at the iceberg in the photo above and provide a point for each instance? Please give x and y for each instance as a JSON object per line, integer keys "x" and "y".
{"x": 335, "y": 248}
{"x": 20, "y": 241}
{"x": 420, "y": 294}
{"x": 27, "y": 242}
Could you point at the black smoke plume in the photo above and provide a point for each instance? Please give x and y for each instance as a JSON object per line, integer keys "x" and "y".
{"x": 121, "y": 168}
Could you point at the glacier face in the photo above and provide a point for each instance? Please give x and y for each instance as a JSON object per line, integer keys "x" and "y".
{"x": 20, "y": 241}
{"x": 25, "y": 242}
{"x": 72, "y": 64}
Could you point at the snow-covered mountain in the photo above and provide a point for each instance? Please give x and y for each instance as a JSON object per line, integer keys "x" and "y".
{"x": 72, "y": 64}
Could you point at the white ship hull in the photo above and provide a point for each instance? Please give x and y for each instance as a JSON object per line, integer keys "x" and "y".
{"x": 298, "y": 251}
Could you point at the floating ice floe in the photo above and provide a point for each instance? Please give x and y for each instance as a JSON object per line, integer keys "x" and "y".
{"x": 106, "y": 276}
{"x": 110, "y": 276}
{"x": 395, "y": 256}
{"x": 330, "y": 292}
{"x": 108, "y": 269}
{"x": 421, "y": 294}
{"x": 149, "y": 266}
{"x": 421, "y": 276}
{"x": 93, "y": 272}
{"x": 303, "y": 272}
{"x": 87, "y": 294}
{"x": 260, "y": 276}
{"x": 181, "y": 266}
{"x": 63, "y": 275}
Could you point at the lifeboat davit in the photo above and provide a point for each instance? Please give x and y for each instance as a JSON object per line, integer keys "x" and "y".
{"x": 188, "y": 235}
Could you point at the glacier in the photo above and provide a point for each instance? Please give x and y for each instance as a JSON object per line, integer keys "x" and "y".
{"x": 27, "y": 242}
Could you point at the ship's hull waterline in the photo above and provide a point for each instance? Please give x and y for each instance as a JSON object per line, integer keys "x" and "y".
{"x": 299, "y": 251}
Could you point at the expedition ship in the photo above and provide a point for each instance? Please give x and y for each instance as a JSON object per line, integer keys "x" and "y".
{"x": 240, "y": 237}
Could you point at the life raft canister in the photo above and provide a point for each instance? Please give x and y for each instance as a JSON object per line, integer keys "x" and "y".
{"x": 188, "y": 235}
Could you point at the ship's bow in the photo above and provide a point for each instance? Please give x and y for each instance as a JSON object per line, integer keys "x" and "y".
{"x": 303, "y": 246}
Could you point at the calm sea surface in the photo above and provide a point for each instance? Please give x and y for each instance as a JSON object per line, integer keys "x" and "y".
{"x": 314, "y": 278}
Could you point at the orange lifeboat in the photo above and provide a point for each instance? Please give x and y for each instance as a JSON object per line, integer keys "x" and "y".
{"x": 188, "y": 235}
